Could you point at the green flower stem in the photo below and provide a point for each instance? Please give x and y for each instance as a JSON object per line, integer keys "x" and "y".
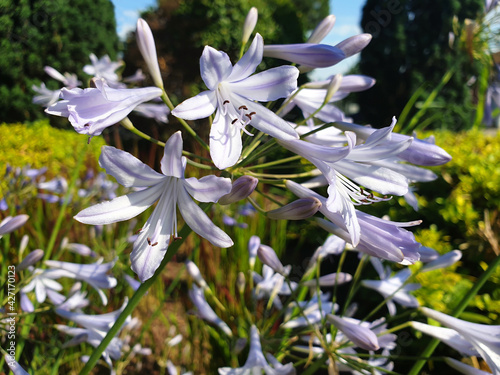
{"x": 415, "y": 370}
{"x": 64, "y": 206}
{"x": 276, "y": 162}
{"x": 127, "y": 124}
{"x": 311, "y": 173}
{"x": 355, "y": 282}
{"x": 134, "y": 301}
{"x": 186, "y": 126}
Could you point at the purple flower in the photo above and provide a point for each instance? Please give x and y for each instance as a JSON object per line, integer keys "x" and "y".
{"x": 170, "y": 189}
{"x": 92, "y": 110}
{"x": 232, "y": 92}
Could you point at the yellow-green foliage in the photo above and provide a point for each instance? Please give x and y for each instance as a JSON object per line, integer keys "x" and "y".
{"x": 40, "y": 145}
{"x": 474, "y": 174}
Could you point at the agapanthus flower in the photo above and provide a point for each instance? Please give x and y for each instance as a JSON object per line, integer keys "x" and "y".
{"x": 103, "y": 68}
{"x": 170, "y": 189}
{"x": 68, "y": 80}
{"x": 232, "y": 92}
{"x": 205, "y": 311}
{"x": 95, "y": 328}
{"x": 359, "y": 334}
{"x": 484, "y": 338}
{"x": 46, "y": 97}
{"x": 10, "y": 224}
{"x": 256, "y": 361}
{"x": 96, "y": 274}
{"x": 394, "y": 287}
{"x": 158, "y": 112}
{"x": 91, "y": 110}
{"x": 313, "y": 311}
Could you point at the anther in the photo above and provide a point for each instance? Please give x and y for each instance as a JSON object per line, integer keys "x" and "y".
{"x": 138, "y": 231}
{"x": 225, "y": 102}
{"x": 149, "y": 241}
{"x": 154, "y": 244}
{"x": 232, "y": 122}
{"x": 243, "y": 107}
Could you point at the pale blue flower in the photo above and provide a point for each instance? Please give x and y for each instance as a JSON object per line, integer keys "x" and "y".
{"x": 204, "y": 311}
{"x": 232, "y": 92}
{"x": 256, "y": 361}
{"x": 92, "y": 110}
{"x": 170, "y": 189}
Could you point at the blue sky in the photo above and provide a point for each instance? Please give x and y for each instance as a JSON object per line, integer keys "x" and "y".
{"x": 347, "y": 13}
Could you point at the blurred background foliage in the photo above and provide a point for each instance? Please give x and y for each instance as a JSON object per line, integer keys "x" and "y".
{"x": 58, "y": 33}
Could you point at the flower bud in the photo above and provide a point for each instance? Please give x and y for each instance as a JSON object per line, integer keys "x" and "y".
{"x": 10, "y": 224}
{"x": 240, "y": 282}
{"x": 354, "y": 44}
{"x": 249, "y": 24}
{"x": 322, "y": 30}
{"x": 427, "y": 254}
{"x": 362, "y": 337}
{"x": 333, "y": 87}
{"x": 242, "y": 188}
{"x": 297, "y": 210}
{"x": 310, "y": 55}
{"x": 195, "y": 274}
{"x": 253, "y": 246}
{"x": 32, "y": 258}
{"x": 146, "y": 44}
{"x": 268, "y": 256}
{"x": 77, "y": 340}
{"x": 330, "y": 280}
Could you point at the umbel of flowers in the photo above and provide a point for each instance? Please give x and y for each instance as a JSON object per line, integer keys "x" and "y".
{"x": 250, "y": 113}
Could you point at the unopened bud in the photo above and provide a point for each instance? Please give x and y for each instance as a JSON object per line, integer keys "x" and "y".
{"x": 242, "y": 188}
{"x": 330, "y": 280}
{"x": 146, "y": 44}
{"x": 354, "y": 44}
{"x": 359, "y": 335}
{"x": 308, "y": 54}
{"x": 249, "y": 24}
{"x": 333, "y": 87}
{"x": 322, "y": 30}
{"x": 253, "y": 246}
{"x": 240, "y": 282}
{"x": 195, "y": 274}
{"x": 268, "y": 256}
{"x": 297, "y": 210}
{"x": 32, "y": 258}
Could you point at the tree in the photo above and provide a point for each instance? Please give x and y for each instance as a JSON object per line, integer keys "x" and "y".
{"x": 182, "y": 28}
{"x": 410, "y": 48}
{"x": 58, "y": 33}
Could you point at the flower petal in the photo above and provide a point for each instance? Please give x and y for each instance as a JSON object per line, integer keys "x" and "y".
{"x": 199, "y": 106}
{"x": 225, "y": 142}
{"x": 215, "y": 67}
{"x": 271, "y": 84}
{"x": 207, "y": 189}
{"x": 127, "y": 169}
{"x": 122, "y": 208}
{"x": 250, "y": 60}
{"x": 171, "y": 162}
{"x": 199, "y": 222}
{"x": 265, "y": 120}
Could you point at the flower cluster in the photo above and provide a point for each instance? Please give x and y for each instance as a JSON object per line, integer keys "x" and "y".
{"x": 288, "y": 318}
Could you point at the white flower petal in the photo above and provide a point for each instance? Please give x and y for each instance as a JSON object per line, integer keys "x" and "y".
{"x": 171, "y": 162}
{"x": 225, "y": 142}
{"x": 121, "y": 208}
{"x": 199, "y": 106}
{"x": 127, "y": 169}
{"x": 250, "y": 60}
{"x": 199, "y": 222}
{"x": 271, "y": 84}
{"x": 207, "y": 189}
{"x": 215, "y": 67}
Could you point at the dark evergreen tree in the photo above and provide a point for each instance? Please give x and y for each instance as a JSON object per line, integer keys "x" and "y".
{"x": 182, "y": 29}
{"x": 58, "y": 33}
{"x": 410, "y": 47}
